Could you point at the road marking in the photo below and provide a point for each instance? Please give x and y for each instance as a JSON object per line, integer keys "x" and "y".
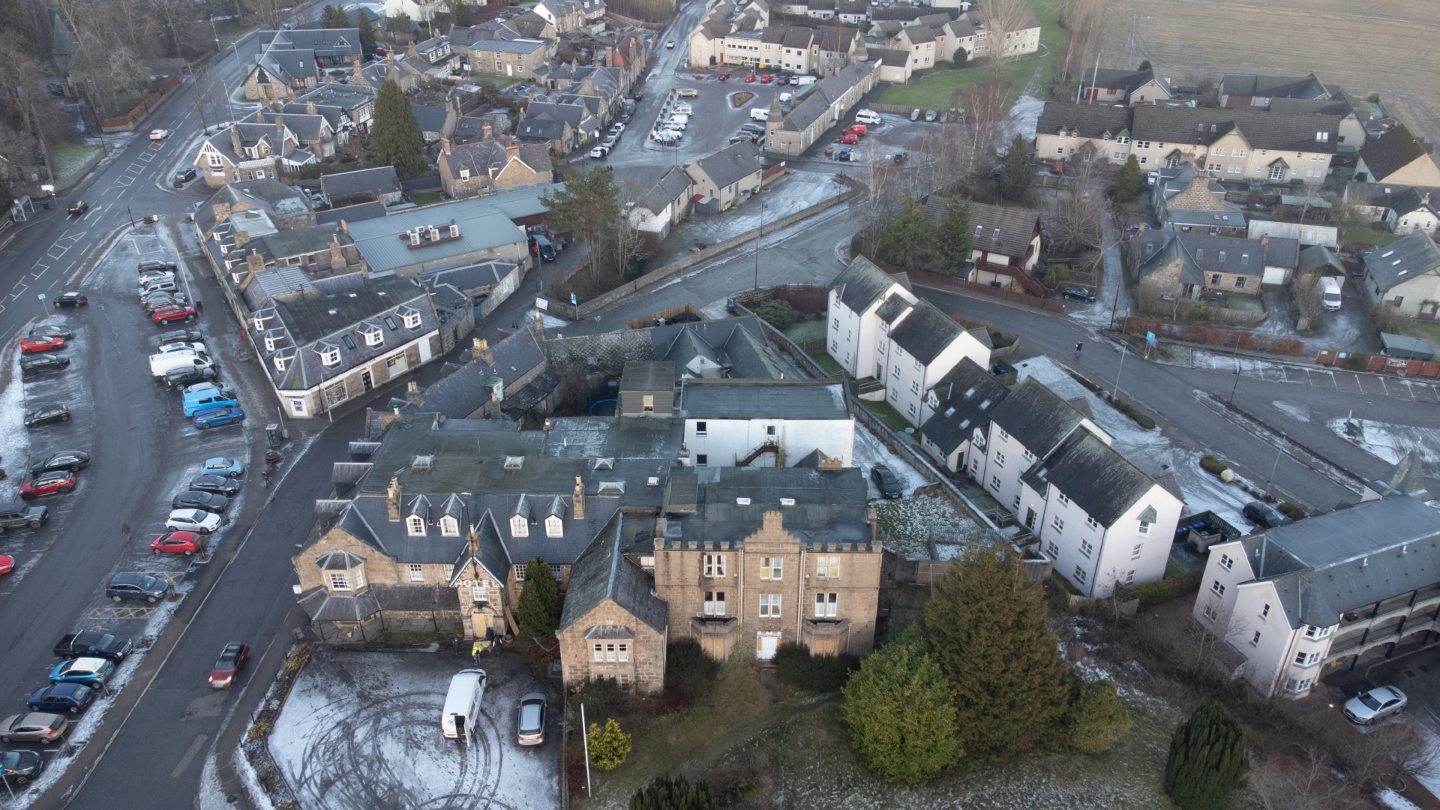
{"x": 189, "y": 755}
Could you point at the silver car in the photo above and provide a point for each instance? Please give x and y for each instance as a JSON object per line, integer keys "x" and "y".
{"x": 530, "y": 724}
{"x": 1374, "y": 705}
{"x": 38, "y": 727}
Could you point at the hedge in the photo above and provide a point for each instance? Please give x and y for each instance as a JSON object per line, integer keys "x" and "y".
{"x": 1213, "y": 465}
{"x": 1155, "y": 593}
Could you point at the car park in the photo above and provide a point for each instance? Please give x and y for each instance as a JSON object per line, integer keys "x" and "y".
{"x": 1374, "y": 705}
{"x": 63, "y": 697}
{"x": 224, "y": 467}
{"x": 193, "y": 520}
{"x": 137, "y": 587}
{"x": 40, "y": 727}
{"x": 68, "y": 460}
{"x": 17, "y": 515}
{"x": 204, "y": 501}
{"x": 70, "y": 299}
{"x": 1264, "y": 515}
{"x": 46, "y": 414}
{"x": 41, "y": 343}
{"x": 77, "y": 209}
{"x": 159, "y": 134}
{"x": 218, "y": 417}
{"x": 54, "y": 482}
{"x": 232, "y": 660}
{"x": 20, "y": 767}
{"x": 186, "y": 543}
{"x": 218, "y": 484}
{"x": 89, "y": 670}
{"x": 887, "y": 481}
{"x": 1078, "y": 292}
{"x": 39, "y": 364}
{"x": 530, "y": 720}
{"x": 173, "y": 314}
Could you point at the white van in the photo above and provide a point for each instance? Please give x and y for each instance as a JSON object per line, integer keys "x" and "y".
{"x": 462, "y": 703}
{"x": 804, "y": 81}
{"x": 867, "y": 117}
{"x": 165, "y": 362}
{"x": 1330, "y": 293}
{"x": 785, "y": 98}
{"x": 760, "y": 114}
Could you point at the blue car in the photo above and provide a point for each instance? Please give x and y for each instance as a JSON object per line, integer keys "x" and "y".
{"x": 223, "y": 467}
{"x": 218, "y": 417}
{"x": 61, "y": 698}
{"x": 86, "y": 670}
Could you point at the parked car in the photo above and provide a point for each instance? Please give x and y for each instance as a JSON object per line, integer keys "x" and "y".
{"x": 193, "y": 520}
{"x": 7, "y": 563}
{"x": 137, "y": 588}
{"x": 173, "y": 314}
{"x": 93, "y": 643}
{"x": 177, "y": 336}
{"x": 147, "y": 266}
{"x": 530, "y": 723}
{"x": 931, "y": 115}
{"x": 15, "y": 515}
{"x": 218, "y": 484}
{"x": 689, "y": 92}
{"x": 843, "y": 154}
{"x": 1078, "y": 292}
{"x": 849, "y": 139}
{"x": 915, "y": 114}
{"x": 38, "y": 727}
{"x": 20, "y": 767}
{"x": 749, "y": 78}
{"x": 69, "y": 460}
{"x": 187, "y": 376}
{"x": 670, "y": 45}
{"x": 71, "y": 299}
{"x": 77, "y": 209}
{"x": 608, "y": 142}
{"x": 50, "y": 331}
{"x": 223, "y": 467}
{"x": 1374, "y": 705}
{"x": 162, "y": 300}
{"x": 232, "y": 660}
{"x": 185, "y": 175}
{"x": 1264, "y": 515}
{"x": 49, "y": 483}
{"x": 599, "y": 152}
{"x": 46, "y": 414}
{"x": 205, "y": 501}
{"x": 39, "y": 364}
{"x": 89, "y": 670}
{"x": 857, "y": 129}
{"x": 186, "y": 543}
{"x": 41, "y": 343}
{"x": 63, "y": 697}
{"x": 887, "y": 481}
{"x": 753, "y": 128}
{"x": 767, "y": 78}
{"x": 867, "y": 117}
{"x": 218, "y": 417}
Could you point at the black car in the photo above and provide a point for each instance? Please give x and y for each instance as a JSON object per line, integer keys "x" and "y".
{"x": 51, "y": 332}
{"x": 78, "y": 209}
{"x": 886, "y": 481}
{"x": 137, "y": 587}
{"x": 72, "y": 460}
{"x": 46, "y": 414}
{"x": 177, "y": 336}
{"x": 157, "y": 300}
{"x": 19, "y": 767}
{"x": 71, "y": 299}
{"x": 185, "y": 175}
{"x": 164, "y": 267}
{"x": 195, "y": 499}
{"x": 187, "y": 375}
{"x": 218, "y": 484}
{"x": 1264, "y": 515}
{"x": 41, "y": 363}
{"x": 1079, "y": 292}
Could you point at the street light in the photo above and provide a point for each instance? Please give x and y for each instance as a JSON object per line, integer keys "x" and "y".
{"x": 757, "y": 244}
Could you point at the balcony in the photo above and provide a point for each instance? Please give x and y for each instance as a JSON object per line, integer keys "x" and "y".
{"x": 1362, "y": 642}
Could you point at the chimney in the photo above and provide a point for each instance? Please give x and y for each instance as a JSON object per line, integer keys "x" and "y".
{"x": 392, "y": 499}
{"x": 235, "y": 140}
{"x": 344, "y": 227}
{"x": 310, "y": 107}
{"x": 482, "y": 352}
{"x": 357, "y": 69}
{"x": 512, "y": 150}
{"x": 242, "y": 238}
{"x": 222, "y": 212}
{"x": 260, "y": 115}
{"x": 577, "y": 508}
{"x": 445, "y": 144}
{"x": 337, "y": 254}
{"x": 254, "y": 263}
{"x": 410, "y": 50}
{"x": 412, "y": 392}
{"x": 486, "y": 129}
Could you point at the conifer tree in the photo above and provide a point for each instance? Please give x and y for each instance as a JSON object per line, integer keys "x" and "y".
{"x": 673, "y": 793}
{"x": 395, "y": 134}
{"x": 539, "y": 610}
{"x": 901, "y": 713}
{"x": 1207, "y": 760}
{"x": 952, "y": 241}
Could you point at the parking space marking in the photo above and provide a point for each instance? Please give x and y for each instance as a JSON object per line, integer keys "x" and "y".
{"x": 119, "y": 613}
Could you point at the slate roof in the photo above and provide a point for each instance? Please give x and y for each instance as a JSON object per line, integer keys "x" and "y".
{"x": 333, "y": 114}
{"x": 1036, "y": 416}
{"x": 729, "y": 165}
{"x": 966, "y": 396}
{"x": 351, "y": 213}
{"x": 602, "y": 572}
{"x": 925, "y": 332}
{"x": 1093, "y": 475}
{"x": 1016, "y": 225}
{"x": 545, "y": 120}
{"x": 862, "y": 284}
{"x": 488, "y": 158}
{"x": 918, "y": 34}
{"x": 777, "y": 399}
{"x": 1402, "y": 260}
{"x": 459, "y": 394}
{"x": 378, "y": 181}
{"x": 1248, "y": 84}
{"x": 1327, "y": 565}
{"x": 1319, "y": 257}
{"x": 1204, "y": 254}
{"x": 673, "y": 185}
{"x": 430, "y": 117}
{"x": 1329, "y": 106}
{"x": 485, "y": 222}
{"x": 648, "y": 375}
{"x": 829, "y": 510}
{"x": 1390, "y": 152}
{"x": 1116, "y": 79}
{"x": 736, "y": 344}
{"x": 1286, "y": 132}
{"x": 471, "y": 276}
{"x": 890, "y": 57}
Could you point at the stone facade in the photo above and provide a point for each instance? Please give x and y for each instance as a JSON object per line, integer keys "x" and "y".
{"x": 609, "y": 643}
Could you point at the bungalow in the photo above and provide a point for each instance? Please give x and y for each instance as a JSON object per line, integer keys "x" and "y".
{"x": 1177, "y": 265}
{"x": 727, "y": 177}
{"x": 1111, "y": 86}
{"x": 663, "y": 206}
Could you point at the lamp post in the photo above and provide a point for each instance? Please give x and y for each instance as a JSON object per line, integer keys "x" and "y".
{"x": 757, "y": 244}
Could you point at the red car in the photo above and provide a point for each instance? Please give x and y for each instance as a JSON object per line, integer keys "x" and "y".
{"x": 7, "y": 563}
{"x": 48, "y": 483}
{"x": 186, "y": 543}
{"x": 173, "y": 314}
{"x": 750, "y": 78}
{"x": 41, "y": 343}
{"x": 766, "y": 79}
{"x": 857, "y": 129}
{"x": 849, "y": 138}
{"x": 232, "y": 659}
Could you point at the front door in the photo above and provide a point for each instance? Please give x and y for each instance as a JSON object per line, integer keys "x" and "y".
{"x": 1030, "y": 517}
{"x": 765, "y": 645}
{"x": 366, "y": 380}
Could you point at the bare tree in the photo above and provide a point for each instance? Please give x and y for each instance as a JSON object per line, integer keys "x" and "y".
{"x": 1003, "y": 20}
{"x": 1076, "y": 215}
{"x": 1083, "y": 20}
{"x": 266, "y": 12}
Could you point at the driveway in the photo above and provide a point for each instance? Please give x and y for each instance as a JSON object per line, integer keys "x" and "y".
{"x": 362, "y": 729}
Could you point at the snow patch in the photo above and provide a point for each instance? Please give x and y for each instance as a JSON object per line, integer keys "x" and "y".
{"x": 1389, "y": 442}
{"x": 1395, "y": 801}
{"x": 869, "y": 451}
{"x": 1293, "y": 410}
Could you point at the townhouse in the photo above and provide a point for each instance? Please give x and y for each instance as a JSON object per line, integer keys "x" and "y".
{"x": 764, "y": 423}
{"x": 1332, "y": 592}
{"x": 833, "y": 97}
{"x": 960, "y": 405}
{"x": 485, "y": 166}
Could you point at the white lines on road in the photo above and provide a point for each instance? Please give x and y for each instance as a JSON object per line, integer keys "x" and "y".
{"x": 190, "y": 753}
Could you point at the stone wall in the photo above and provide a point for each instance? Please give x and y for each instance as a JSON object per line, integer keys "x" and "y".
{"x": 645, "y": 669}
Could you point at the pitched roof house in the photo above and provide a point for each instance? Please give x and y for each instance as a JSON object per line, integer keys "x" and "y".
{"x": 1404, "y": 276}
{"x": 362, "y": 185}
{"x": 1249, "y": 90}
{"x": 1397, "y": 158}
{"x": 663, "y": 205}
{"x": 484, "y": 166}
{"x": 1111, "y": 86}
{"x": 250, "y": 151}
{"x": 1004, "y": 242}
{"x": 728, "y": 176}
{"x": 1178, "y": 264}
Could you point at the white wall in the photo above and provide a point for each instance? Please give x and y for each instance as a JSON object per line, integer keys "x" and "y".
{"x": 726, "y": 441}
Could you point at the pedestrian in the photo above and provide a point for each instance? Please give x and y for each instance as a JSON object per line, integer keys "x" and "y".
{"x": 455, "y": 645}
{"x": 475, "y": 650}
{"x": 1078, "y": 347}
{"x": 199, "y": 305}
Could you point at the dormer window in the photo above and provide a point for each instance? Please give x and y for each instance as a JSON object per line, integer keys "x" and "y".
{"x": 519, "y": 526}
{"x": 280, "y": 362}
{"x": 330, "y": 355}
{"x": 415, "y": 526}
{"x": 554, "y": 526}
{"x": 373, "y": 336}
{"x": 464, "y": 174}
{"x": 412, "y": 319}
{"x": 449, "y": 526}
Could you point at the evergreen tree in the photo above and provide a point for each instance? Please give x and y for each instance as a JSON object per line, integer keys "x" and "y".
{"x": 1207, "y": 760}
{"x": 1145, "y": 65}
{"x": 985, "y": 624}
{"x": 1018, "y": 172}
{"x": 7, "y": 198}
{"x": 460, "y": 13}
{"x": 673, "y": 793}
{"x": 901, "y": 713}
{"x": 1125, "y": 183}
{"x": 1096, "y": 719}
{"x": 952, "y": 241}
{"x": 333, "y": 17}
{"x": 402, "y": 26}
{"x": 906, "y": 239}
{"x": 395, "y": 134}
{"x": 588, "y": 209}
{"x": 367, "y": 32}
{"x": 539, "y": 610}
{"x": 609, "y": 745}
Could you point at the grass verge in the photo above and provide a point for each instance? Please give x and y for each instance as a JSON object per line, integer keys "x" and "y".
{"x": 886, "y": 414}
{"x": 425, "y": 197}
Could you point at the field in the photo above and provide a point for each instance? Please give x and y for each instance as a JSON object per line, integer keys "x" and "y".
{"x": 1365, "y": 48}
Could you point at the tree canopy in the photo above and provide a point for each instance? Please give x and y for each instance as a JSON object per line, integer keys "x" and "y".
{"x": 395, "y": 134}
{"x": 334, "y": 17}
{"x": 1018, "y": 172}
{"x": 1207, "y": 760}
{"x": 539, "y": 610}
{"x": 952, "y": 239}
{"x": 588, "y": 209}
{"x": 1125, "y": 183}
{"x": 906, "y": 239}
{"x": 901, "y": 713}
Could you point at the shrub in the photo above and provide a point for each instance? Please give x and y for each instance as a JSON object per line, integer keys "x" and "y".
{"x": 261, "y": 730}
{"x": 539, "y": 610}
{"x": 673, "y": 793}
{"x": 900, "y": 710}
{"x": 603, "y": 697}
{"x": 1213, "y": 465}
{"x": 1001, "y": 340}
{"x": 777, "y": 312}
{"x": 961, "y": 57}
{"x": 1136, "y": 415}
{"x": 814, "y": 673}
{"x": 609, "y": 745}
{"x": 688, "y": 670}
{"x": 1154, "y": 593}
{"x": 1055, "y": 274}
{"x": 1207, "y": 760}
{"x": 1096, "y": 719}
{"x": 1290, "y": 510}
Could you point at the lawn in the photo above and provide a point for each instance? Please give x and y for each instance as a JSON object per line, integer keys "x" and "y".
{"x": 810, "y": 336}
{"x": 934, "y": 89}
{"x": 425, "y": 197}
{"x": 1368, "y": 236}
{"x": 1425, "y": 330}
{"x": 68, "y": 159}
{"x": 495, "y": 80}
{"x": 886, "y": 414}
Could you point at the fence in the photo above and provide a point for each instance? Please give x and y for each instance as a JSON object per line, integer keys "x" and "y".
{"x": 1380, "y": 364}
{"x": 681, "y": 264}
{"x": 127, "y": 122}
{"x": 1213, "y": 336}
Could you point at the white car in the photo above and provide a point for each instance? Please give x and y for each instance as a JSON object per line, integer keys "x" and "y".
{"x": 617, "y": 128}
{"x": 193, "y": 520}
{"x": 599, "y": 152}
{"x": 182, "y": 346}
{"x": 159, "y": 134}
{"x": 609, "y": 142}
{"x": 684, "y": 109}
{"x": 670, "y": 45}
{"x": 1374, "y": 705}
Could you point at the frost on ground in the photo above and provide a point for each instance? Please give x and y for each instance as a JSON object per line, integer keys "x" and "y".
{"x": 1024, "y": 117}
{"x": 1394, "y": 801}
{"x": 14, "y": 443}
{"x": 798, "y": 191}
{"x": 1294, "y": 410}
{"x": 910, "y": 525}
{"x": 1390, "y": 442}
{"x": 869, "y": 451}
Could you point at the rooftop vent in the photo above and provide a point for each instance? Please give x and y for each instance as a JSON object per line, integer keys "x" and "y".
{"x": 423, "y": 463}
{"x": 787, "y": 502}
{"x": 742, "y": 501}
{"x": 652, "y": 481}
{"x": 514, "y": 462}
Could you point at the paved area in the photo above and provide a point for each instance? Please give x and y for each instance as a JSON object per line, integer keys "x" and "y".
{"x": 363, "y": 730}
